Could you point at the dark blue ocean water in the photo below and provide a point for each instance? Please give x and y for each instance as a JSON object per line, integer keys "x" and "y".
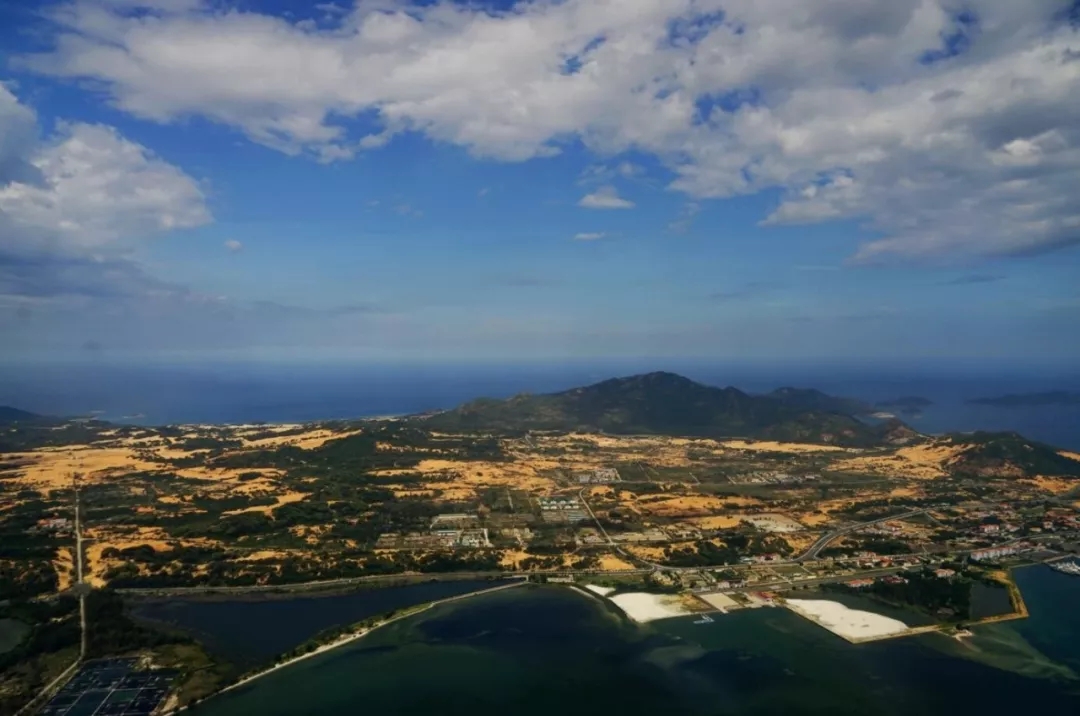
{"x": 535, "y": 651}
{"x": 242, "y": 393}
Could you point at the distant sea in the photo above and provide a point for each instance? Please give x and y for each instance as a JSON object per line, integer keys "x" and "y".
{"x": 275, "y": 393}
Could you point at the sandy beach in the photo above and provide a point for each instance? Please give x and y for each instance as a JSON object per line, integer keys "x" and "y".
{"x": 642, "y": 607}
{"x": 851, "y": 624}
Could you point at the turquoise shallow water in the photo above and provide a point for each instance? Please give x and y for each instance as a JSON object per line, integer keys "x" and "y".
{"x": 544, "y": 650}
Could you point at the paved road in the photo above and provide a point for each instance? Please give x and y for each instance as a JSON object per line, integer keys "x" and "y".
{"x": 787, "y": 583}
{"x": 815, "y": 548}
{"x": 80, "y": 589}
{"x": 80, "y": 584}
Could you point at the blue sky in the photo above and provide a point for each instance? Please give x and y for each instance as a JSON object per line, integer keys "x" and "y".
{"x": 670, "y": 178}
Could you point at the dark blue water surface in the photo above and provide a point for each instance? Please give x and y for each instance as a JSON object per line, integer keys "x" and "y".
{"x": 243, "y": 393}
{"x": 532, "y": 651}
{"x": 249, "y": 631}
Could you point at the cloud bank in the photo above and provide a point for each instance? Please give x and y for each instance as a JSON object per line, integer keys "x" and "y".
{"x": 949, "y": 128}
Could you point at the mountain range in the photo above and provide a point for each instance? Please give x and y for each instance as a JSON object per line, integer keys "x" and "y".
{"x": 669, "y": 404}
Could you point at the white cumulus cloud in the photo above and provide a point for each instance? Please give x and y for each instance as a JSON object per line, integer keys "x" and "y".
{"x": 605, "y": 197}
{"x": 947, "y": 127}
{"x": 73, "y": 205}
{"x": 589, "y": 236}
{"x": 98, "y": 188}
{"x": 233, "y": 245}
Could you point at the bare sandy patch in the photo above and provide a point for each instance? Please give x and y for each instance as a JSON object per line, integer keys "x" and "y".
{"x": 812, "y": 519}
{"x": 681, "y": 505}
{"x": 285, "y": 499}
{"x": 486, "y": 474}
{"x": 801, "y": 542}
{"x": 769, "y": 446}
{"x": 652, "y": 554}
{"x": 1053, "y": 485}
{"x": 48, "y": 470}
{"x": 305, "y": 441}
{"x": 642, "y": 607}
{"x": 844, "y": 621}
{"x": 612, "y": 563}
{"x": 918, "y": 461}
{"x": 774, "y": 522}
{"x": 716, "y": 522}
{"x": 64, "y": 564}
{"x": 265, "y": 554}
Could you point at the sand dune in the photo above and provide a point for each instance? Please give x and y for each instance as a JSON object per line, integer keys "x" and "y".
{"x": 852, "y": 624}
{"x": 642, "y": 607}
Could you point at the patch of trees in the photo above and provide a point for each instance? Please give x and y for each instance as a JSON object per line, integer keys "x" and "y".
{"x": 24, "y": 669}
{"x": 877, "y": 545}
{"x": 48, "y": 432}
{"x": 210, "y": 443}
{"x": 110, "y": 630}
{"x": 735, "y": 546}
{"x": 925, "y": 591}
{"x": 26, "y": 579}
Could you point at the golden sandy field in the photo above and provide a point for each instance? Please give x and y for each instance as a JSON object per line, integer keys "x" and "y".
{"x": 716, "y": 522}
{"x": 306, "y": 441}
{"x": 511, "y": 559}
{"x": 467, "y": 477}
{"x": 283, "y": 499}
{"x": 811, "y": 519}
{"x": 682, "y": 505}
{"x": 52, "y": 469}
{"x": 793, "y": 448}
{"x": 1055, "y": 486}
{"x": 98, "y": 539}
{"x": 613, "y": 563}
{"x": 642, "y": 552}
{"x": 65, "y": 568}
{"x": 801, "y": 541}
{"x": 918, "y": 461}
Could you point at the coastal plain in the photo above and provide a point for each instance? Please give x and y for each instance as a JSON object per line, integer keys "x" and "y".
{"x": 858, "y": 526}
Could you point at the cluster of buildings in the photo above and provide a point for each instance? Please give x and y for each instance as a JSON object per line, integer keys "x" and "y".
{"x": 599, "y": 476}
{"x": 52, "y": 524}
{"x": 562, "y": 509}
{"x": 991, "y": 553}
{"x": 772, "y": 478}
{"x": 436, "y": 539}
{"x": 457, "y": 529}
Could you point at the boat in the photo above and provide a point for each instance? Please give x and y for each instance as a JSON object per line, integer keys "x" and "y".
{"x": 1066, "y": 568}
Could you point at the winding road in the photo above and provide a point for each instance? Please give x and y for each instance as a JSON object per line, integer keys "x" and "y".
{"x": 823, "y": 542}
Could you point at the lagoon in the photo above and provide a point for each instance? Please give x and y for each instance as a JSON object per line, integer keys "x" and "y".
{"x": 252, "y": 631}
{"x": 538, "y": 650}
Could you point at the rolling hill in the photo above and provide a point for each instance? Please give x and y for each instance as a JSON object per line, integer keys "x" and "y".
{"x": 14, "y": 415}
{"x": 1009, "y": 455}
{"x": 669, "y": 404}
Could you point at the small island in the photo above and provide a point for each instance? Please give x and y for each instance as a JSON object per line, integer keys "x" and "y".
{"x": 1031, "y": 400}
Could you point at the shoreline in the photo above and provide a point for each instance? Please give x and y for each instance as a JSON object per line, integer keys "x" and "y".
{"x": 340, "y": 641}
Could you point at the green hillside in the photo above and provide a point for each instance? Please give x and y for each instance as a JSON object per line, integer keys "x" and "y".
{"x": 14, "y": 415}
{"x": 667, "y": 404}
{"x": 1010, "y": 455}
